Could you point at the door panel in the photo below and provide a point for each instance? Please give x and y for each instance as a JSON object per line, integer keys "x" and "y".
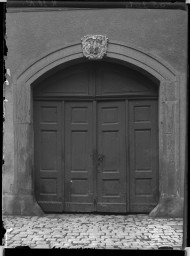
{"x": 73, "y": 81}
{"x": 48, "y": 165}
{"x": 143, "y": 150}
{"x": 78, "y": 161}
{"x": 111, "y": 170}
{"x": 121, "y": 80}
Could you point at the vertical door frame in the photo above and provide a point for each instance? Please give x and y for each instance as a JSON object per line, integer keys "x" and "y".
{"x": 94, "y": 135}
{"x": 63, "y": 151}
{"x": 127, "y": 159}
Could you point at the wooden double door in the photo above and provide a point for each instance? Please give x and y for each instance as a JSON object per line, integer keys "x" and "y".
{"x": 96, "y": 155}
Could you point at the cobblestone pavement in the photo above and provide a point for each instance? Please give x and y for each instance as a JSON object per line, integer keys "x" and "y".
{"x": 93, "y": 231}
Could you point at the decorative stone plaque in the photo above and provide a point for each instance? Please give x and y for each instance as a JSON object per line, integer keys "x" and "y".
{"x": 94, "y": 46}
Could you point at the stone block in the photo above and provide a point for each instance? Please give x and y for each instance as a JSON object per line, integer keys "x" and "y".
{"x": 169, "y": 117}
{"x": 170, "y": 91}
{"x": 167, "y": 207}
{"x": 42, "y": 246}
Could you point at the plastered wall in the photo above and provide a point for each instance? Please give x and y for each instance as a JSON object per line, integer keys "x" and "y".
{"x": 162, "y": 33}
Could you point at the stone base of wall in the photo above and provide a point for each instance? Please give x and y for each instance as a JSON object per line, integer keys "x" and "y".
{"x": 23, "y": 205}
{"x": 171, "y": 207}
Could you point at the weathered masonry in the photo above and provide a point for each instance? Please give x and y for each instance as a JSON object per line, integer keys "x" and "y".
{"x": 95, "y": 134}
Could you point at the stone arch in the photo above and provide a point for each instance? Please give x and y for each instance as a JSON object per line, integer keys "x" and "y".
{"x": 117, "y": 51}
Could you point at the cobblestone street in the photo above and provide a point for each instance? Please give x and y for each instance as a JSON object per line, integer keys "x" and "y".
{"x": 93, "y": 231}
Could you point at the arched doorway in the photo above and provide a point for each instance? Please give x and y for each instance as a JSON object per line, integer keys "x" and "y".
{"x": 96, "y": 140}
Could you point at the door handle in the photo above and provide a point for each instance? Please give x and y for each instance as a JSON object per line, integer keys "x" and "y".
{"x": 100, "y": 158}
{"x": 97, "y": 158}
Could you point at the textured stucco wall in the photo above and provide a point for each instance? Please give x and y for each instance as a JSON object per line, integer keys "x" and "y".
{"x": 161, "y": 32}
{"x": 30, "y": 34}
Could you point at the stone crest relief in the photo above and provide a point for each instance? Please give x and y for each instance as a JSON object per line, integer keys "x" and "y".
{"x": 94, "y": 47}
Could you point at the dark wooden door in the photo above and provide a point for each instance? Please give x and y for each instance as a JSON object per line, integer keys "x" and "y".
{"x": 98, "y": 151}
{"x": 111, "y": 167}
{"x": 79, "y": 191}
{"x": 95, "y": 164}
{"x": 69, "y": 177}
{"x": 143, "y": 155}
{"x": 48, "y": 155}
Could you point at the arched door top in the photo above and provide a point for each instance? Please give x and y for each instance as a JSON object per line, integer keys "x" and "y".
{"x": 94, "y": 79}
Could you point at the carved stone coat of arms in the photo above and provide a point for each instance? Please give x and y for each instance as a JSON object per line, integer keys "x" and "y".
{"x": 94, "y": 46}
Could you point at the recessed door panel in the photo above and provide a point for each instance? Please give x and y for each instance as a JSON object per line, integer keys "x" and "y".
{"x": 111, "y": 166}
{"x": 78, "y": 162}
{"x": 48, "y": 155}
{"x": 73, "y": 81}
{"x": 119, "y": 80}
{"x": 143, "y": 155}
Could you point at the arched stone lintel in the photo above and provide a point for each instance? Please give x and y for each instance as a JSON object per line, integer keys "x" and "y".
{"x": 116, "y": 50}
